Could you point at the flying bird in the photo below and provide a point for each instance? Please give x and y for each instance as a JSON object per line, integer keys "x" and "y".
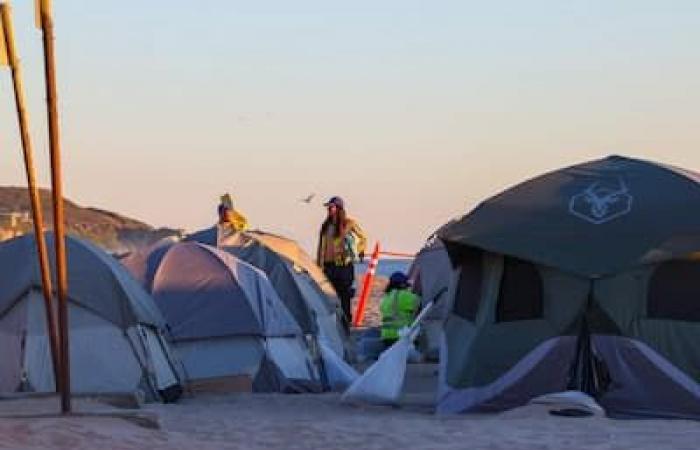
{"x": 308, "y": 199}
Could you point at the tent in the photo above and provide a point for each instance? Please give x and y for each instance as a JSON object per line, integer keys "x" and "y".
{"x": 224, "y": 318}
{"x": 116, "y": 332}
{"x": 431, "y": 274}
{"x": 295, "y": 276}
{"x": 584, "y": 278}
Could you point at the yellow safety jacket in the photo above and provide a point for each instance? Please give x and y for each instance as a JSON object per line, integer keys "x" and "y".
{"x": 346, "y": 248}
{"x": 398, "y": 309}
{"x": 235, "y": 220}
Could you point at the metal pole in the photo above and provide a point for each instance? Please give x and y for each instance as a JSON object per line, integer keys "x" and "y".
{"x": 57, "y": 191}
{"x": 37, "y": 214}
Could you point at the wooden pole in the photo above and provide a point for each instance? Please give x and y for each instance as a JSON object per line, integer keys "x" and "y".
{"x": 35, "y": 200}
{"x": 57, "y": 191}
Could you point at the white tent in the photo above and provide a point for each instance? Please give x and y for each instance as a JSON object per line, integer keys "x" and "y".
{"x": 116, "y": 341}
{"x": 225, "y": 318}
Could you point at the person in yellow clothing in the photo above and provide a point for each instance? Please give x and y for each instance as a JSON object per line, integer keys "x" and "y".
{"x": 230, "y": 220}
{"x": 341, "y": 243}
{"x": 398, "y": 307}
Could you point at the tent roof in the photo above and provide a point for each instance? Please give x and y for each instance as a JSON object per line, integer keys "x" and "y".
{"x": 299, "y": 282}
{"x": 591, "y": 219}
{"x": 282, "y": 246}
{"x": 292, "y": 251}
{"x": 205, "y": 292}
{"x": 96, "y": 280}
{"x": 285, "y": 263}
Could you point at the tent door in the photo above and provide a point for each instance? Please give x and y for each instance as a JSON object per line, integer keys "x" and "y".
{"x": 161, "y": 369}
{"x": 588, "y": 373}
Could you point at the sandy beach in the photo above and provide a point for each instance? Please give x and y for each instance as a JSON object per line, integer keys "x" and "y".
{"x": 245, "y": 421}
{"x": 215, "y": 216}
{"x": 308, "y": 421}
{"x": 372, "y": 317}
{"x": 274, "y": 421}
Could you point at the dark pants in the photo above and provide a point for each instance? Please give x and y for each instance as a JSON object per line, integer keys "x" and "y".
{"x": 342, "y": 279}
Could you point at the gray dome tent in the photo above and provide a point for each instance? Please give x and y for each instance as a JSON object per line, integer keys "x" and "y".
{"x": 431, "y": 275}
{"x": 225, "y": 319}
{"x": 295, "y": 276}
{"x": 116, "y": 342}
{"x": 584, "y": 278}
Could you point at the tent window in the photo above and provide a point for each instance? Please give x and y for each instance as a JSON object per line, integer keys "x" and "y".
{"x": 520, "y": 296}
{"x": 674, "y": 291}
{"x": 468, "y": 292}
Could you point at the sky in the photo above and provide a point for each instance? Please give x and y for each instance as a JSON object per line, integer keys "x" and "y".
{"x": 412, "y": 111}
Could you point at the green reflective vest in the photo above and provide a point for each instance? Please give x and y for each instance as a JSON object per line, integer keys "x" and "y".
{"x": 398, "y": 309}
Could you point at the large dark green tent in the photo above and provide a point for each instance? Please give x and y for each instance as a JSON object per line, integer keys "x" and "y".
{"x": 595, "y": 258}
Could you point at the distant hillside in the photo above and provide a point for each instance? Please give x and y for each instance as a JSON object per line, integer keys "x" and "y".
{"x": 110, "y": 230}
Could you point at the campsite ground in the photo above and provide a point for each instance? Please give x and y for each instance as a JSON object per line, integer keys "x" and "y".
{"x": 274, "y": 421}
{"x": 262, "y": 421}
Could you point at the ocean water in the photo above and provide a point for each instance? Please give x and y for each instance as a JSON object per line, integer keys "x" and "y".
{"x": 386, "y": 266}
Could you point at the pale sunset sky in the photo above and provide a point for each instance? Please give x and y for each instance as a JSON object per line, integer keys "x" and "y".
{"x": 413, "y": 111}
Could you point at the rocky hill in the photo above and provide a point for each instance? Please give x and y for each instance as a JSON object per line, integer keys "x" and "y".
{"x": 110, "y": 230}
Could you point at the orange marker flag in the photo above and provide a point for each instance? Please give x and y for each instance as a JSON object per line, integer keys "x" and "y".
{"x": 45, "y": 6}
{"x": 366, "y": 287}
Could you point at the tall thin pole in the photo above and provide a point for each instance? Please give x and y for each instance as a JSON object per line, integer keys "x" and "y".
{"x": 35, "y": 201}
{"x": 57, "y": 191}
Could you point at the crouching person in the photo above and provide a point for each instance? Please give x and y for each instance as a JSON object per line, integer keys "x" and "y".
{"x": 398, "y": 307}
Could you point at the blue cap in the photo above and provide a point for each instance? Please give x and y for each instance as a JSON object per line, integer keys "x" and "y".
{"x": 399, "y": 280}
{"x": 337, "y": 201}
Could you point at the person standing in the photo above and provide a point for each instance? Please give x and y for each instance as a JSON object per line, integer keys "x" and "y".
{"x": 341, "y": 242}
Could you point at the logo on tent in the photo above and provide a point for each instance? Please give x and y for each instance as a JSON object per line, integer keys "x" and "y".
{"x": 602, "y": 202}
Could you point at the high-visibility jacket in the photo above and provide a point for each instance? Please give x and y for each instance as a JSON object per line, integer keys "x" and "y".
{"x": 398, "y": 309}
{"x": 235, "y": 220}
{"x": 233, "y": 223}
{"x": 345, "y": 248}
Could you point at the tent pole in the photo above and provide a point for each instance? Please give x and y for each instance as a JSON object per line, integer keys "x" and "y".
{"x": 35, "y": 201}
{"x": 57, "y": 193}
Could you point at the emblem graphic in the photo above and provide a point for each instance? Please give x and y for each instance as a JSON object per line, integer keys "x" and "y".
{"x": 602, "y": 202}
